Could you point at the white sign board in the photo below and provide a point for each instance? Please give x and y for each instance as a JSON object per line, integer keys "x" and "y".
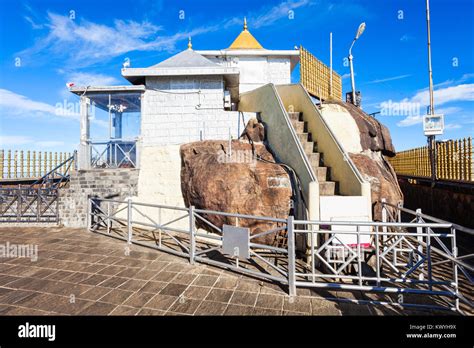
{"x": 433, "y": 124}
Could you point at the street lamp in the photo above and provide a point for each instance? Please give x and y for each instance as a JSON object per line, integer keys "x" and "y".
{"x": 358, "y": 34}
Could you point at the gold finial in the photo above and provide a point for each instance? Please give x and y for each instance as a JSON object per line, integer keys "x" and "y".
{"x": 245, "y": 23}
{"x": 190, "y": 44}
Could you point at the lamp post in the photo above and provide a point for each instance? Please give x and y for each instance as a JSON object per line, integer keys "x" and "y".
{"x": 358, "y": 34}
{"x": 431, "y": 138}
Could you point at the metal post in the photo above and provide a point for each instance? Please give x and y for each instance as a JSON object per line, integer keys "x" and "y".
{"x": 384, "y": 219}
{"x": 330, "y": 64}
{"x": 89, "y": 213}
{"x": 377, "y": 254}
{"x": 428, "y": 255}
{"x": 108, "y": 217}
{"x": 351, "y": 66}
{"x": 455, "y": 267}
{"x": 192, "y": 236}
{"x": 129, "y": 220}
{"x": 359, "y": 261}
{"x": 291, "y": 256}
{"x": 419, "y": 231}
{"x": 431, "y": 138}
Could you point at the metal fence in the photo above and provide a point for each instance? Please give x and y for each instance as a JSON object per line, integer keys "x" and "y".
{"x": 26, "y": 204}
{"x": 415, "y": 258}
{"x": 113, "y": 154}
{"x": 454, "y": 161}
{"x": 29, "y": 164}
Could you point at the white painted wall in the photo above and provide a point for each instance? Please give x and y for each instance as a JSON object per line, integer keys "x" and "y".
{"x": 256, "y": 71}
{"x": 170, "y": 117}
{"x": 171, "y": 113}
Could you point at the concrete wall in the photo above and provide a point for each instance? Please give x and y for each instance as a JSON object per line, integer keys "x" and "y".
{"x": 100, "y": 182}
{"x": 342, "y": 168}
{"x": 173, "y": 112}
{"x": 283, "y": 140}
{"x": 258, "y": 71}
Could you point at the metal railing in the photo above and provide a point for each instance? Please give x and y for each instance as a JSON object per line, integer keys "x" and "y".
{"x": 113, "y": 154}
{"x": 403, "y": 258}
{"x": 173, "y": 229}
{"x": 26, "y": 204}
{"x": 454, "y": 161}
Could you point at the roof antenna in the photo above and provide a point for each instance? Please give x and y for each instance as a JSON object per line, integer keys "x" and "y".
{"x": 190, "y": 44}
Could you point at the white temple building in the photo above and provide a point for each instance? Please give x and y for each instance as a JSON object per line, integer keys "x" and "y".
{"x": 210, "y": 95}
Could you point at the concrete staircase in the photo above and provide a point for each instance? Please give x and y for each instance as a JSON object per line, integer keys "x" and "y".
{"x": 326, "y": 186}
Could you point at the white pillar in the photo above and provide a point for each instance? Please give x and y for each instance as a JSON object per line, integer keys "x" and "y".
{"x": 84, "y": 150}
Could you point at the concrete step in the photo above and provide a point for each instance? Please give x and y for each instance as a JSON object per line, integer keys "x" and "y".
{"x": 321, "y": 173}
{"x": 298, "y": 126}
{"x": 314, "y": 159}
{"x": 303, "y": 137}
{"x": 308, "y": 147}
{"x": 327, "y": 188}
{"x": 294, "y": 115}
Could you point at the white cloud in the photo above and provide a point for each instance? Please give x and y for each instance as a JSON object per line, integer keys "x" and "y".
{"x": 452, "y": 126}
{"x": 51, "y": 143}
{"x": 18, "y": 140}
{"x": 410, "y": 121}
{"x": 463, "y": 92}
{"x": 17, "y": 104}
{"x": 14, "y": 140}
{"x": 277, "y": 12}
{"x": 83, "y": 43}
{"x": 442, "y": 96}
{"x": 88, "y": 79}
{"x": 393, "y": 78}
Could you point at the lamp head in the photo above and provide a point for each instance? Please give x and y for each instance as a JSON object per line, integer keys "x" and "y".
{"x": 360, "y": 30}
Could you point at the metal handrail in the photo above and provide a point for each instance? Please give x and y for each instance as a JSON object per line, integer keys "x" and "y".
{"x": 429, "y": 217}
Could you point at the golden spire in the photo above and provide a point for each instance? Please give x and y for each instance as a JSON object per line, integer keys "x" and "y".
{"x": 245, "y": 40}
{"x": 190, "y": 44}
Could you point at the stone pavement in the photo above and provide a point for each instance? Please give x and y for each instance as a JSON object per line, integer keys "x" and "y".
{"x": 82, "y": 273}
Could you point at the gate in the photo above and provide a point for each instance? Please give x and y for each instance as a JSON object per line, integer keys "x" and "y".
{"x": 26, "y": 204}
{"x": 416, "y": 261}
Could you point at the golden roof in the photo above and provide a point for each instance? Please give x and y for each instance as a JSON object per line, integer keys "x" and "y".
{"x": 245, "y": 40}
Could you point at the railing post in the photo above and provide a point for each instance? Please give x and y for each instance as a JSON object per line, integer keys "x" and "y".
{"x": 291, "y": 256}
{"x": 384, "y": 220}
{"x": 399, "y": 212}
{"x": 428, "y": 255}
{"x": 129, "y": 220}
{"x": 89, "y": 213}
{"x": 192, "y": 236}
{"x": 419, "y": 231}
{"x": 108, "y": 217}
{"x": 455, "y": 267}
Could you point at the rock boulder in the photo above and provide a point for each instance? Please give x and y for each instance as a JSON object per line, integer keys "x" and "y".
{"x": 213, "y": 178}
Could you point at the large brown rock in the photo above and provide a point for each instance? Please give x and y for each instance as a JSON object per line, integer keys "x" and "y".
{"x": 375, "y": 143}
{"x": 212, "y": 179}
{"x": 382, "y": 178}
{"x": 373, "y": 135}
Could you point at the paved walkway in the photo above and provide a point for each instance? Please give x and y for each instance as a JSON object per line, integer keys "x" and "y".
{"x": 78, "y": 272}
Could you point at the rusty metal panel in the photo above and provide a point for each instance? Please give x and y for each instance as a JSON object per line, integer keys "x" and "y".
{"x": 315, "y": 77}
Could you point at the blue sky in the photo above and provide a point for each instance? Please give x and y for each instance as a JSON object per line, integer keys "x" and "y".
{"x": 46, "y": 43}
